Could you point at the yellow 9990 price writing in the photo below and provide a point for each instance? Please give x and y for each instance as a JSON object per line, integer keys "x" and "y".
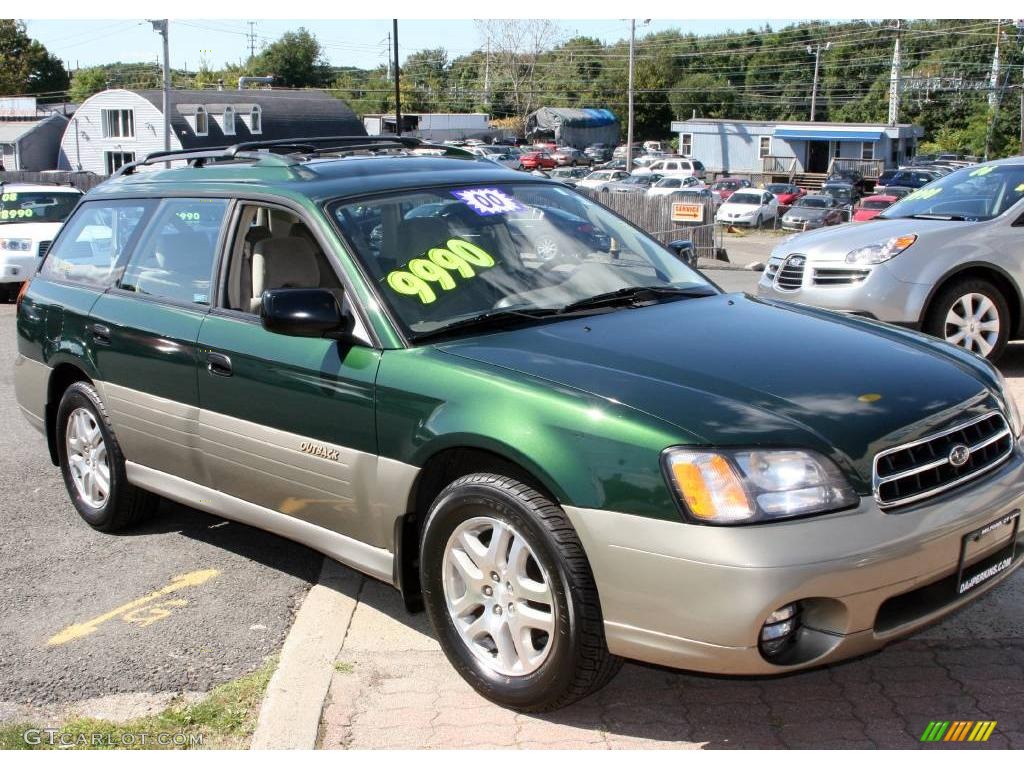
{"x": 421, "y": 275}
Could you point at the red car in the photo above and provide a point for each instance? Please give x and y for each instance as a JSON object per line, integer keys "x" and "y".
{"x": 869, "y": 207}
{"x": 531, "y": 161}
{"x": 729, "y": 184}
{"x": 786, "y": 194}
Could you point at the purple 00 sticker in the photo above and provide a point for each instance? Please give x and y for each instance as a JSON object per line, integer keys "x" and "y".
{"x": 488, "y": 201}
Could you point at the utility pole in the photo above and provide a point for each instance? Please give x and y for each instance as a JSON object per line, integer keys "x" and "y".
{"x": 816, "y": 53}
{"x": 894, "y": 81}
{"x": 993, "y": 81}
{"x": 487, "y": 62}
{"x": 398, "y": 92}
{"x": 160, "y": 25}
{"x": 629, "y": 121}
{"x": 252, "y": 39}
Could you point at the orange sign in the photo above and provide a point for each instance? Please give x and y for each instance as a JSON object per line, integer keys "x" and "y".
{"x": 691, "y": 212}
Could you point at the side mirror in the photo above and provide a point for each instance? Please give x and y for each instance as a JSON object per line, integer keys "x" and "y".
{"x": 310, "y": 312}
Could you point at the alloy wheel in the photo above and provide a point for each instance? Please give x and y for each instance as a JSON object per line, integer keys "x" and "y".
{"x": 973, "y": 323}
{"x": 499, "y": 596}
{"x": 87, "y": 458}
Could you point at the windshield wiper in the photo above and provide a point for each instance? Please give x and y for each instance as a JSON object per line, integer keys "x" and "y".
{"x": 937, "y": 216}
{"x": 634, "y": 294}
{"x": 623, "y": 296}
{"x": 496, "y": 317}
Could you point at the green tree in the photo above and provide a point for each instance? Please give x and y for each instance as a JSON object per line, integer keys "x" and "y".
{"x": 296, "y": 59}
{"x": 26, "y": 67}
{"x": 86, "y": 82}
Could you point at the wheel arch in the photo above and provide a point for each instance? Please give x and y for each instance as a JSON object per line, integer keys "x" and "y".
{"x": 986, "y": 271}
{"x": 63, "y": 375}
{"x": 444, "y": 465}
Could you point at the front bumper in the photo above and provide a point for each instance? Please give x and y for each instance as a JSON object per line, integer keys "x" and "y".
{"x": 880, "y": 294}
{"x": 17, "y": 266}
{"x": 695, "y": 596}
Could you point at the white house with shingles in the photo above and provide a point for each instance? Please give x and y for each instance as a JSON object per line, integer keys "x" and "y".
{"x": 119, "y": 126}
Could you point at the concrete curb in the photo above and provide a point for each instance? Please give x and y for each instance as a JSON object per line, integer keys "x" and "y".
{"x": 290, "y": 715}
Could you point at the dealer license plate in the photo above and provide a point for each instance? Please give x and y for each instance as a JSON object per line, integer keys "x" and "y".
{"x": 1002, "y": 530}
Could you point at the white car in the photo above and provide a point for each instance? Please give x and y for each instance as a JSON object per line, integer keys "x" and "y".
{"x": 30, "y": 217}
{"x": 598, "y": 179}
{"x": 750, "y": 207}
{"x": 671, "y": 184}
{"x": 674, "y": 166}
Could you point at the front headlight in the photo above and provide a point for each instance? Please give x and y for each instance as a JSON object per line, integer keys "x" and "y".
{"x": 879, "y": 252}
{"x": 15, "y": 244}
{"x": 749, "y": 486}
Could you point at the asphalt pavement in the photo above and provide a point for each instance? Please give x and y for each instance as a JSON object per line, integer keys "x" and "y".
{"x": 183, "y": 603}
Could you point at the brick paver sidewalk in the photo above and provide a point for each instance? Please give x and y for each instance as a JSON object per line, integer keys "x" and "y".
{"x": 395, "y": 689}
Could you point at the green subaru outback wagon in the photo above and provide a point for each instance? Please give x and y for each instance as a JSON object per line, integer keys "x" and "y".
{"x": 527, "y": 415}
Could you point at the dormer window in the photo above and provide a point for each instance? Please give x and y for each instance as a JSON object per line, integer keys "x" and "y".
{"x": 202, "y": 122}
{"x": 229, "y": 121}
{"x": 256, "y": 120}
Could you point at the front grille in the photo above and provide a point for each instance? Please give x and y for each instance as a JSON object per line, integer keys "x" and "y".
{"x": 44, "y": 247}
{"x": 827, "y": 277}
{"x": 791, "y": 274}
{"x": 924, "y": 468}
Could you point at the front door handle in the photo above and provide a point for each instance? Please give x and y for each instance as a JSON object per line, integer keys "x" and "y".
{"x": 100, "y": 334}
{"x": 218, "y": 364}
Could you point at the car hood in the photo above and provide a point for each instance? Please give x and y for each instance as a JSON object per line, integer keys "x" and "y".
{"x": 840, "y": 385}
{"x": 36, "y": 230}
{"x": 833, "y": 243}
{"x": 730, "y": 207}
{"x": 809, "y": 214}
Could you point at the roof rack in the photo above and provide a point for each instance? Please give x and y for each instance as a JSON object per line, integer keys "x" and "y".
{"x": 277, "y": 151}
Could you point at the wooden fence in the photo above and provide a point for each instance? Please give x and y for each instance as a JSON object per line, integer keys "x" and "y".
{"x": 654, "y": 216}
{"x": 83, "y": 180}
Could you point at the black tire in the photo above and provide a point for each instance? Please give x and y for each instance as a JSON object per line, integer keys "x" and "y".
{"x": 125, "y": 504}
{"x": 579, "y": 662}
{"x": 935, "y": 318}
{"x": 759, "y": 223}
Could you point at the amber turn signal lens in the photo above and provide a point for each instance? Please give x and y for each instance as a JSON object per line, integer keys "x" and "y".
{"x": 711, "y": 488}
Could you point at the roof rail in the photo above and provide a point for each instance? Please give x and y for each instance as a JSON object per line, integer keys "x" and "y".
{"x": 197, "y": 158}
{"x": 276, "y": 151}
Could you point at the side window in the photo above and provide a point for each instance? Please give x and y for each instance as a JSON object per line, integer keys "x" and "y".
{"x": 273, "y": 248}
{"x": 174, "y": 259}
{"x": 92, "y": 245}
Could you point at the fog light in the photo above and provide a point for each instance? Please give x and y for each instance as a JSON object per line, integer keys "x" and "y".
{"x": 780, "y": 629}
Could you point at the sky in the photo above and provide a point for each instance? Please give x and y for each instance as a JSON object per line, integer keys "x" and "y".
{"x": 354, "y": 42}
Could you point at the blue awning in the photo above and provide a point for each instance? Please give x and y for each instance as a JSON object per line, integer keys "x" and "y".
{"x": 817, "y": 134}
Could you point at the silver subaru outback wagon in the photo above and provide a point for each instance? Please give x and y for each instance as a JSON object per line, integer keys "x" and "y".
{"x": 947, "y": 259}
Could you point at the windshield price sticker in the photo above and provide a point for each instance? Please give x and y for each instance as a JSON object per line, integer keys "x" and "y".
{"x": 983, "y": 171}
{"x": 923, "y": 194}
{"x": 8, "y": 197}
{"x": 489, "y": 201}
{"x": 420, "y": 275}
{"x": 21, "y": 213}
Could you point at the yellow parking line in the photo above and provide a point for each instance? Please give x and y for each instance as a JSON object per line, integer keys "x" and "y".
{"x": 76, "y": 631}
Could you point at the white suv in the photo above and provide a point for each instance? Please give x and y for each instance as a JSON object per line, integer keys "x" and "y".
{"x": 673, "y": 166}
{"x": 30, "y": 217}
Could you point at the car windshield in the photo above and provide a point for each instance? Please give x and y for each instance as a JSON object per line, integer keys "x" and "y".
{"x": 726, "y": 185}
{"x": 38, "y": 207}
{"x": 875, "y": 205}
{"x": 447, "y": 255}
{"x": 812, "y": 202}
{"x": 669, "y": 182}
{"x": 744, "y": 198}
{"x": 977, "y": 193}
{"x": 778, "y": 189}
{"x": 600, "y": 175}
